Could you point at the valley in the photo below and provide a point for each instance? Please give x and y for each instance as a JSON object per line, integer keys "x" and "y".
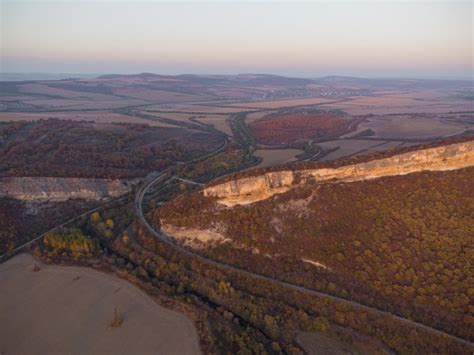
{"x": 226, "y": 198}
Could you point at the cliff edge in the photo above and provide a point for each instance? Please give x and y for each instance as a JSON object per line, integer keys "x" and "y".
{"x": 61, "y": 189}
{"x": 241, "y": 191}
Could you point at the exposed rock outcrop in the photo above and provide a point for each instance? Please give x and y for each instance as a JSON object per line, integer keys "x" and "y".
{"x": 60, "y": 189}
{"x": 252, "y": 189}
{"x": 194, "y": 237}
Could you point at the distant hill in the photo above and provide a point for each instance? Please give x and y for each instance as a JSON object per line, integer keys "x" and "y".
{"x": 247, "y": 79}
{"x": 402, "y": 83}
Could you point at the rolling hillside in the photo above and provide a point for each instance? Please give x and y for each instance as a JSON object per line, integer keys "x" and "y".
{"x": 394, "y": 232}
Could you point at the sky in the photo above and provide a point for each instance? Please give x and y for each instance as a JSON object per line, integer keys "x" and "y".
{"x": 308, "y": 39}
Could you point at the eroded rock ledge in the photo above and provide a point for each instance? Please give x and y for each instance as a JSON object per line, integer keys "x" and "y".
{"x": 60, "y": 189}
{"x": 252, "y": 189}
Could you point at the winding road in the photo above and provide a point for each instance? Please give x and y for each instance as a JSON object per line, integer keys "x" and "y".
{"x": 167, "y": 240}
{"x": 167, "y": 175}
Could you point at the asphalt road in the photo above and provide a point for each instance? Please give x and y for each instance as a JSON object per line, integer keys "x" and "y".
{"x": 165, "y": 239}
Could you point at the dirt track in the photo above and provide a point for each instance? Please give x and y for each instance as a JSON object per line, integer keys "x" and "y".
{"x": 67, "y": 310}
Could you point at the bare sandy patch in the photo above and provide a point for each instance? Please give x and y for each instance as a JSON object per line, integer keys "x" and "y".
{"x": 315, "y": 263}
{"x": 196, "y": 238}
{"x": 299, "y": 206}
{"x": 67, "y": 310}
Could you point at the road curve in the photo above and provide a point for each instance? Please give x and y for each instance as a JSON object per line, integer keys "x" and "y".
{"x": 165, "y": 239}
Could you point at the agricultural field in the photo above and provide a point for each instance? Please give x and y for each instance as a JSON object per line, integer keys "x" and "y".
{"x": 194, "y": 129}
{"x": 296, "y": 126}
{"x": 405, "y": 102}
{"x": 194, "y": 108}
{"x": 219, "y": 122}
{"x": 347, "y": 147}
{"x": 69, "y": 310}
{"x": 413, "y": 126}
{"x": 278, "y": 104}
{"x": 273, "y": 157}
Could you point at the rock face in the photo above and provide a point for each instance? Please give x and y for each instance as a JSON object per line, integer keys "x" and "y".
{"x": 252, "y": 189}
{"x": 60, "y": 189}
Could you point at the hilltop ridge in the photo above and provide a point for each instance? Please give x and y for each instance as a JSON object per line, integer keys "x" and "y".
{"x": 394, "y": 233}
{"x": 247, "y": 190}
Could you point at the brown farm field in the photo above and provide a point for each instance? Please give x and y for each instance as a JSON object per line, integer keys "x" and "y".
{"x": 292, "y": 127}
{"x": 346, "y": 147}
{"x": 68, "y": 310}
{"x": 254, "y": 116}
{"x": 198, "y": 108}
{"x": 435, "y": 102}
{"x": 219, "y": 122}
{"x": 82, "y": 104}
{"x": 42, "y": 89}
{"x": 272, "y": 157}
{"x": 413, "y": 126}
{"x": 373, "y": 242}
{"x": 276, "y": 104}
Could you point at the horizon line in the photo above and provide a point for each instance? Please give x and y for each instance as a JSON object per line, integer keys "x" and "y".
{"x": 354, "y": 76}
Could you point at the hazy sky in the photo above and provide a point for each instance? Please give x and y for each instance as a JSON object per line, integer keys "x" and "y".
{"x": 425, "y": 39}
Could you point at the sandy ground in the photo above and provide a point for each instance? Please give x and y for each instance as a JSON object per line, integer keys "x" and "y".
{"x": 196, "y": 238}
{"x": 272, "y": 157}
{"x": 67, "y": 310}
